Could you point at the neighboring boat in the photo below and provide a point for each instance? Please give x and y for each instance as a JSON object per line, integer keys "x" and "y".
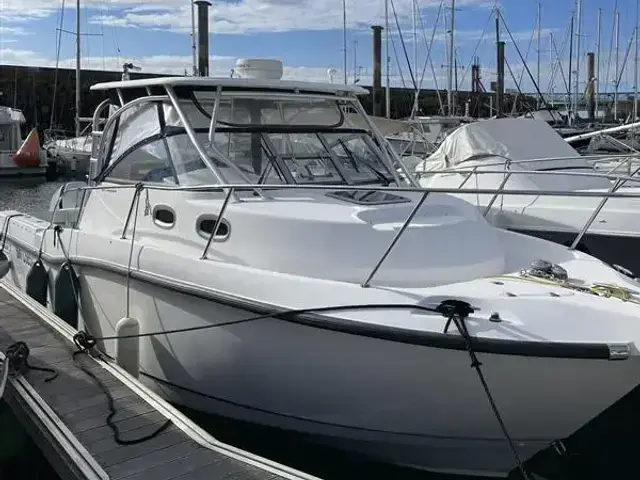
{"x": 304, "y": 322}
{"x": 72, "y": 153}
{"x": 503, "y": 152}
{"x": 19, "y": 158}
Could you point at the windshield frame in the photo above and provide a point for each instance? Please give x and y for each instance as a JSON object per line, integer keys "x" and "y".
{"x": 372, "y": 138}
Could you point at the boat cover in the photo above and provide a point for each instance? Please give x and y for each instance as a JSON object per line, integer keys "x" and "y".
{"x": 505, "y": 139}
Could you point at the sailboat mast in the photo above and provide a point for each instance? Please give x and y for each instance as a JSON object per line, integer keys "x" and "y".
{"x": 576, "y": 97}
{"x": 193, "y": 39}
{"x": 414, "y": 13}
{"x": 386, "y": 60}
{"x": 597, "y": 85}
{"x": 344, "y": 37}
{"x": 538, "y": 49}
{"x": 615, "y": 91}
{"x": 635, "y": 66}
{"x": 77, "y": 68}
{"x": 551, "y": 70}
{"x": 451, "y": 57}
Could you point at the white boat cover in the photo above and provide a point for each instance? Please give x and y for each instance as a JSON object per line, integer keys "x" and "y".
{"x": 505, "y": 139}
{"x": 11, "y": 115}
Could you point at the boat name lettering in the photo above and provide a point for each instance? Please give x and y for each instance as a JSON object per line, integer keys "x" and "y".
{"x": 24, "y": 257}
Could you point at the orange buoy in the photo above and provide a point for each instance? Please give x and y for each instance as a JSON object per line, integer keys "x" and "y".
{"x": 28, "y": 155}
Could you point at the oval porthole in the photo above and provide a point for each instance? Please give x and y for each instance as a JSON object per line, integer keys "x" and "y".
{"x": 206, "y": 224}
{"x": 164, "y": 216}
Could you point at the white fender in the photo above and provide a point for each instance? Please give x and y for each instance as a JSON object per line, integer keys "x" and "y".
{"x": 5, "y": 264}
{"x": 128, "y": 349}
{"x": 4, "y": 372}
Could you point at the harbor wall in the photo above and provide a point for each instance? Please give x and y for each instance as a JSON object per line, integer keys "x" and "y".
{"x": 31, "y": 89}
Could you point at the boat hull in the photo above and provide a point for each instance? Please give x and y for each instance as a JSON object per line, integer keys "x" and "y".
{"x": 394, "y": 398}
{"x": 410, "y": 405}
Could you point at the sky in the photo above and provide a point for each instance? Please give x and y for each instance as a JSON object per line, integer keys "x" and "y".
{"x": 307, "y": 36}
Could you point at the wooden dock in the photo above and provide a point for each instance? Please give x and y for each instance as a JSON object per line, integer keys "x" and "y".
{"x": 67, "y": 416}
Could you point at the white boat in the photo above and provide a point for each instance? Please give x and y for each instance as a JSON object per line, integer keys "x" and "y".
{"x": 72, "y": 152}
{"x": 526, "y": 154}
{"x": 275, "y": 241}
{"x": 18, "y": 157}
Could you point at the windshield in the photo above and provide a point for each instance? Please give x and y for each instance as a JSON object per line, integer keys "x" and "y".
{"x": 260, "y": 139}
{"x": 292, "y": 140}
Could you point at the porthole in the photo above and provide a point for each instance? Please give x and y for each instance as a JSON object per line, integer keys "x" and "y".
{"x": 206, "y": 223}
{"x": 164, "y": 216}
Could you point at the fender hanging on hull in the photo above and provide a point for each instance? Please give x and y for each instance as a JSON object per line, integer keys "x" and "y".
{"x": 37, "y": 283}
{"x": 65, "y": 303}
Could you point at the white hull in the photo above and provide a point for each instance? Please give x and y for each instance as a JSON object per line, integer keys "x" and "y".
{"x": 407, "y": 404}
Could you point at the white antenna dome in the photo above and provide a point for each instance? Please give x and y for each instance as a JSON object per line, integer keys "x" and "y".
{"x": 259, "y": 68}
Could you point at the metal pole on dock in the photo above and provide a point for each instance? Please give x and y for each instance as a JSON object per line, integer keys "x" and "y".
{"x": 499, "y": 67}
{"x": 377, "y": 70}
{"x": 591, "y": 75}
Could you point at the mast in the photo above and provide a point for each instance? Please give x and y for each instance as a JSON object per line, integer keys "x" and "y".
{"x": 576, "y": 97}
{"x": 552, "y": 73}
{"x": 615, "y": 91}
{"x": 569, "y": 106}
{"x": 635, "y": 66}
{"x": 77, "y": 119}
{"x": 451, "y": 60}
{"x": 538, "y": 49}
{"x": 597, "y": 85}
{"x": 414, "y": 13}
{"x": 414, "y": 109}
{"x": 355, "y": 61}
{"x": 387, "y": 99}
{"x": 193, "y": 39}
{"x": 344, "y": 37}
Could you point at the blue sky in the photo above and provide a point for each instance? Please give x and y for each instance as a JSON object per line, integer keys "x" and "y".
{"x": 306, "y": 35}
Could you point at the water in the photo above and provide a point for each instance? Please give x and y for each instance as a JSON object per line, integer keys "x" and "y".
{"x": 605, "y": 449}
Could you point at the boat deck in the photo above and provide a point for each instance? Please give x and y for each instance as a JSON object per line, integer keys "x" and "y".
{"x": 68, "y": 416}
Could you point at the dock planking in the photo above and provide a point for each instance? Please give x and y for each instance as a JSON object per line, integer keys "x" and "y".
{"x": 76, "y": 405}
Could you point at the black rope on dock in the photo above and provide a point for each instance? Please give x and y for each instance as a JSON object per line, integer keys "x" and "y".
{"x": 18, "y": 356}
{"x": 112, "y": 407}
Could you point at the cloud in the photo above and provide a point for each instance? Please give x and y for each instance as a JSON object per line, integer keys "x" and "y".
{"x": 231, "y": 17}
{"x": 12, "y": 31}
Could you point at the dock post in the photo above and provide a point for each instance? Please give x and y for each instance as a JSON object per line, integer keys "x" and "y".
{"x": 377, "y": 70}
{"x": 591, "y": 90}
{"x": 203, "y": 37}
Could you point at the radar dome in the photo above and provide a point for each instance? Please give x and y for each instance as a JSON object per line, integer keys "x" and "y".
{"x": 259, "y": 68}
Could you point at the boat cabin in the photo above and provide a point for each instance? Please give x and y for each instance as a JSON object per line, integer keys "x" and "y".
{"x": 186, "y": 132}
{"x": 205, "y": 131}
